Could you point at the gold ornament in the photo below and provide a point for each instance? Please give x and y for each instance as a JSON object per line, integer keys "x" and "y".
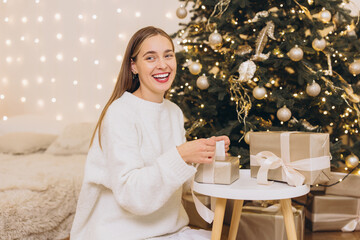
{"x": 262, "y": 14}
{"x": 313, "y": 89}
{"x": 261, "y": 40}
{"x": 296, "y": 54}
{"x": 181, "y": 12}
{"x": 243, "y": 49}
{"x": 259, "y": 92}
{"x": 215, "y": 70}
{"x": 202, "y": 82}
{"x": 325, "y": 16}
{"x": 195, "y": 68}
{"x": 242, "y": 99}
{"x": 246, "y": 70}
{"x": 352, "y": 161}
{"x": 354, "y": 68}
{"x": 319, "y": 44}
{"x": 283, "y": 114}
{"x": 215, "y": 38}
{"x": 222, "y": 6}
{"x": 247, "y": 137}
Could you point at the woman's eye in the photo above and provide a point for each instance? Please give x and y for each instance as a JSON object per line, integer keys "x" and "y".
{"x": 150, "y": 58}
{"x": 169, "y": 55}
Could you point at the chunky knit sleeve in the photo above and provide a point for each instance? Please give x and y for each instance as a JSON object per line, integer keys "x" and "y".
{"x": 137, "y": 188}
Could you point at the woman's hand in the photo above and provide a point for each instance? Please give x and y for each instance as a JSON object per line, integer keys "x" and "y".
{"x": 225, "y": 139}
{"x": 198, "y": 151}
{"x": 201, "y": 150}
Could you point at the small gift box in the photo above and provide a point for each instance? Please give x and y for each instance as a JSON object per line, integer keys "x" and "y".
{"x": 330, "y": 212}
{"x": 224, "y": 169}
{"x": 293, "y": 157}
{"x": 266, "y": 223}
{"x": 350, "y": 186}
{"x": 194, "y": 218}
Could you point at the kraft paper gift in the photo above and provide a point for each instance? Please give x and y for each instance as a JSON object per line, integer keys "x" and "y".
{"x": 223, "y": 170}
{"x": 330, "y": 212}
{"x": 194, "y": 218}
{"x": 266, "y": 223}
{"x": 219, "y": 172}
{"x": 293, "y": 157}
{"x": 350, "y": 186}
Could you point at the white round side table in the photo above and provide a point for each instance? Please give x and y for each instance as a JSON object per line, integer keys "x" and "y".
{"x": 246, "y": 188}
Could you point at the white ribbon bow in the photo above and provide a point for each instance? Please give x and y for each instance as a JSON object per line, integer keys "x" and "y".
{"x": 352, "y": 225}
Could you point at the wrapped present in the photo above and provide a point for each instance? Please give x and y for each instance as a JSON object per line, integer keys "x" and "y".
{"x": 194, "y": 218}
{"x": 350, "y": 186}
{"x": 265, "y": 223}
{"x": 293, "y": 157}
{"x": 223, "y": 170}
{"x": 330, "y": 213}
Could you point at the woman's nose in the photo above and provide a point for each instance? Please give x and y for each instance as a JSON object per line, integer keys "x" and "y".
{"x": 161, "y": 63}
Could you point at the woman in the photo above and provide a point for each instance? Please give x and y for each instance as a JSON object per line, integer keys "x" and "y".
{"x": 138, "y": 159}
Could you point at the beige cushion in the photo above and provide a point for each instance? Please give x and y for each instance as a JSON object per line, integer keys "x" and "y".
{"x": 25, "y": 142}
{"x": 75, "y": 139}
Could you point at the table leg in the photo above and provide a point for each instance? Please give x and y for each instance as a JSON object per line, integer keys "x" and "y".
{"x": 235, "y": 219}
{"x": 218, "y": 218}
{"x": 288, "y": 218}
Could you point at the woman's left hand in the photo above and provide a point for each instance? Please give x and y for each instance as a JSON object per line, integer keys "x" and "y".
{"x": 225, "y": 139}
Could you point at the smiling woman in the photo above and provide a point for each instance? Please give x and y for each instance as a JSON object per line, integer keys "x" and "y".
{"x": 139, "y": 158}
{"x": 156, "y": 68}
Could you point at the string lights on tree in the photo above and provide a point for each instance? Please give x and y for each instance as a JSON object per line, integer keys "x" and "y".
{"x": 270, "y": 71}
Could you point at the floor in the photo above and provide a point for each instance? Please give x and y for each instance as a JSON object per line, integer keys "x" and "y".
{"x": 313, "y": 235}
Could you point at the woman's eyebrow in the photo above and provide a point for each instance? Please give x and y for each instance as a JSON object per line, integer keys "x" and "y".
{"x": 154, "y": 52}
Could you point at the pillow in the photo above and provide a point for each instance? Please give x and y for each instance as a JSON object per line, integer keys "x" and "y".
{"x": 32, "y": 123}
{"x": 25, "y": 142}
{"x": 75, "y": 139}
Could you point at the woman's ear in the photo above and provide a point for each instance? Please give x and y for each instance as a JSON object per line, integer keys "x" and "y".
{"x": 133, "y": 67}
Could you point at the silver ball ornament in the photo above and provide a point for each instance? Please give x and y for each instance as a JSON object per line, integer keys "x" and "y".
{"x": 181, "y": 12}
{"x": 283, "y": 114}
{"x": 202, "y": 82}
{"x": 313, "y": 89}
{"x": 259, "y": 92}
{"x": 319, "y": 44}
{"x": 195, "y": 68}
{"x": 296, "y": 54}
{"x": 325, "y": 16}
{"x": 215, "y": 38}
{"x": 352, "y": 161}
{"x": 354, "y": 68}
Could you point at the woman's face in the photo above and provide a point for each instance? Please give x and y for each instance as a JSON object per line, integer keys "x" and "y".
{"x": 156, "y": 66}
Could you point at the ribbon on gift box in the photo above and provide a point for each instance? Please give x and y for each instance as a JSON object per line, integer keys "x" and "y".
{"x": 268, "y": 160}
{"x": 355, "y": 223}
{"x": 209, "y": 170}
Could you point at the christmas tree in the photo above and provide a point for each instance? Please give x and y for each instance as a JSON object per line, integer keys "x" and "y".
{"x": 256, "y": 65}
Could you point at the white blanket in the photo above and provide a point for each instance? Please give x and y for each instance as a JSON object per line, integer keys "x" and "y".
{"x": 38, "y": 195}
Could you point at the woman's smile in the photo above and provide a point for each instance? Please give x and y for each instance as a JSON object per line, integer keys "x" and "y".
{"x": 161, "y": 77}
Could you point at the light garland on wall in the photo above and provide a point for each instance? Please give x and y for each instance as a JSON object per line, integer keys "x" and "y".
{"x": 35, "y": 33}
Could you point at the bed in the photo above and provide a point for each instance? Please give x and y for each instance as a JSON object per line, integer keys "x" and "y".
{"x": 41, "y": 172}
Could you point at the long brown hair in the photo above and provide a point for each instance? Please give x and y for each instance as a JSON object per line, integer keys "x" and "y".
{"x": 126, "y": 80}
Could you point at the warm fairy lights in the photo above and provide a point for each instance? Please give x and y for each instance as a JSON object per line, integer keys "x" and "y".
{"x": 57, "y": 64}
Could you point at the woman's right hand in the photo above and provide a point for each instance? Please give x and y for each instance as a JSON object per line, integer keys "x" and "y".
{"x": 198, "y": 151}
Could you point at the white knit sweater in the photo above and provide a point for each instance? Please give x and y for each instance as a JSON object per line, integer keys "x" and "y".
{"x": 132, "y": 187}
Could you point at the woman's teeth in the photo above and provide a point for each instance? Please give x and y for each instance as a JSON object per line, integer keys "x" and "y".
{"x": 161, "y": 76}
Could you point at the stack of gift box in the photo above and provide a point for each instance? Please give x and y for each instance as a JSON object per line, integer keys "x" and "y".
{"x": 303, "y": 156}
{"x": 337, "y": 208}
{"x": 296, "y": 158}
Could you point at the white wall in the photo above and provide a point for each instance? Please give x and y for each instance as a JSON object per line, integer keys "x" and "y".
{"x": 24, "y": 41}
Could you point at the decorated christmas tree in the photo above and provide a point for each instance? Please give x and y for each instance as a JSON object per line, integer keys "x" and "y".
{"x": 258, "y": 65}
